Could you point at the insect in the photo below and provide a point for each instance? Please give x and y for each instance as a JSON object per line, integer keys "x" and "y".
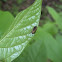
{"x": 34, "y": 29}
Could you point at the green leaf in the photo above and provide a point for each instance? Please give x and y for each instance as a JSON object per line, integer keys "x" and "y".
{"x": 52, "y": 46}
{"x": 50, "y": 28}
{"x": 60, "y": 13}
{"x": 6, "y": 19}
{"x": 14, "y": 42}
{"x": 33, "y": 53}
{"x": 55, "y": 16}
{"x": 59, "y": 39}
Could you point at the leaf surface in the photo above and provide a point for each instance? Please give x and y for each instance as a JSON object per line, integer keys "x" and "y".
{"x": 14, "y": 42}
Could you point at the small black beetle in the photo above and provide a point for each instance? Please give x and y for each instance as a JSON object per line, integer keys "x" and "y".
{"x": 34, "y": 29}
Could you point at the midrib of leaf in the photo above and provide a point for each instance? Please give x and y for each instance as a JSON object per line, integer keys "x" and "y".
{"x": 8, "y": 33}
{"x": 14, "y": 23}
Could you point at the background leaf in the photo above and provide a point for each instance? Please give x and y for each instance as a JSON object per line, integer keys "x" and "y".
{"x": 59, "y": 40}
{"x": 50, "y": 28}
{"x": 55, "y": 16}
{"x": 6, "y": 19}
{"x": 52, "y": 46}
{"x": 14, "y": 42}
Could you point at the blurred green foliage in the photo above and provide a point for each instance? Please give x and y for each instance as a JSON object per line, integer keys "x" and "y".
{"x": 6, "y": 19}
{"x": 50, "y": 28}
{"x": 56, "y": 17}
{"x": 47, "y": 42}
